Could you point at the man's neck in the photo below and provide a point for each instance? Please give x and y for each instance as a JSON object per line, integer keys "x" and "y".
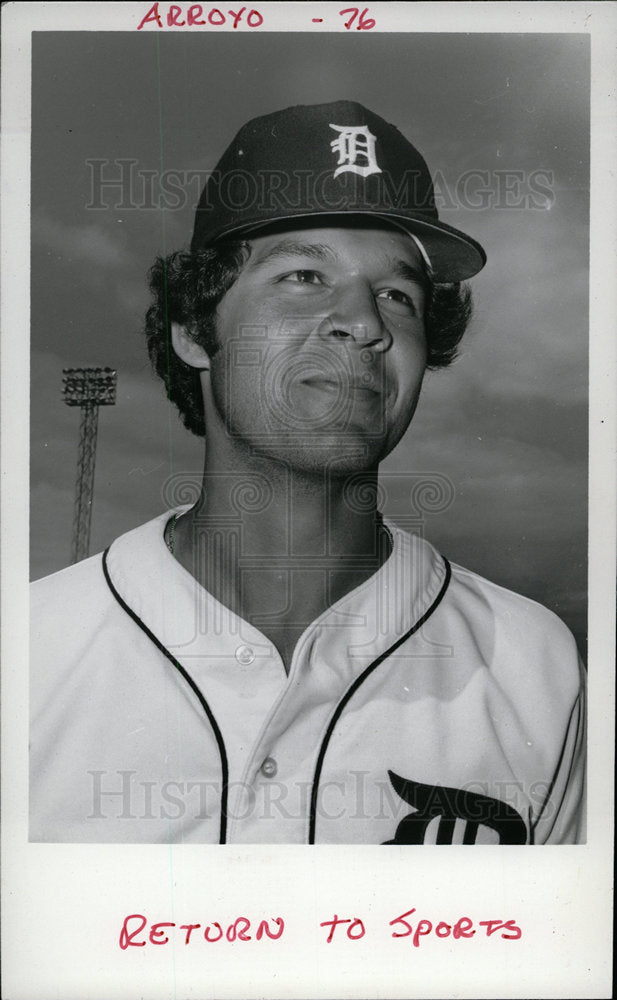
{"x": 279, "y": 547}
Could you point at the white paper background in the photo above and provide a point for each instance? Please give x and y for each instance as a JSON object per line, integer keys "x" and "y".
{"x": 64, "y": 904}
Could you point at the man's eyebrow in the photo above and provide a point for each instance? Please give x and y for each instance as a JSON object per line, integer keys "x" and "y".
{"x": 289, "y": 248}
{"x": 411, "y": 272}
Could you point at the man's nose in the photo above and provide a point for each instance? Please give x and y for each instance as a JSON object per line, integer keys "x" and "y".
{"x": 354, "y": 316}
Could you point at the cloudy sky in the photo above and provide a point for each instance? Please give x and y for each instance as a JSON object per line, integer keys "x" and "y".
{"x": 507, "y": 425}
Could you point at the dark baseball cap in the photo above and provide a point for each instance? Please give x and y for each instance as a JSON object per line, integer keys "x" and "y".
{"x": 329, "y": 161}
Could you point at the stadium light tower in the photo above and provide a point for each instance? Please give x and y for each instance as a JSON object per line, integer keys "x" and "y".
{"x": 88, "y": 388}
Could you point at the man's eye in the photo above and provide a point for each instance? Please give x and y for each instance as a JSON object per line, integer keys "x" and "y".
{"x": 303, "y": 277}
{"x": 396, "y": 296}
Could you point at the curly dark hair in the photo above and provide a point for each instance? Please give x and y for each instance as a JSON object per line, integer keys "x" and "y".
{"x": 187, "y": 287}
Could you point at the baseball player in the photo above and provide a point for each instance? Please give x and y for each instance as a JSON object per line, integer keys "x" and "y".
{"x": 277, "y": 662}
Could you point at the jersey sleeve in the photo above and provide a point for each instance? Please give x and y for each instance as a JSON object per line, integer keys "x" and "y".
{"x": 562, "y": 820}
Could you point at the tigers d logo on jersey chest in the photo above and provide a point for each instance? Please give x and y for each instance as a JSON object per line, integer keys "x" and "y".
{"x": 355, "y": 147}
{"x": 446, "y": 806}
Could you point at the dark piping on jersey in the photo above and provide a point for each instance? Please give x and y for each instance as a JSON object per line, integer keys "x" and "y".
{"x": 189, "y": 680}
{"x": 354, "y": 687}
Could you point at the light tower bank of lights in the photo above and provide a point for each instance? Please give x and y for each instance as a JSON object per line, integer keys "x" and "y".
{"x": 88, "y": 388}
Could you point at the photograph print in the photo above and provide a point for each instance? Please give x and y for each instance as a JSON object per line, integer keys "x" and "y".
{"x": 309, "y": 438}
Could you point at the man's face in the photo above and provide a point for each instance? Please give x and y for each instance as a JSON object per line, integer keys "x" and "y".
{"x": 322, "y": 348}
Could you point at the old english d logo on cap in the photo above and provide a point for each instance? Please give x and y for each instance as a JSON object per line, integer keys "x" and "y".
{"x": 323, "y": 161}
{"x": 353, "y": 145}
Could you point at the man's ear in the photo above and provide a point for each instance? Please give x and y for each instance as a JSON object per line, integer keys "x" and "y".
{"x": 187, "y": 349}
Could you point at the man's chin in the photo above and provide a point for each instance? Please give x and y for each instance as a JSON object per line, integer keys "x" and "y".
{"x": 334, "y": 453}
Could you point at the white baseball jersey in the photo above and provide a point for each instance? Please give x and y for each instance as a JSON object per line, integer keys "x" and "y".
{"x": 426, "y": 706}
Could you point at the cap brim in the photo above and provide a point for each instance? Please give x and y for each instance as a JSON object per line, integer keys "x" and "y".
{"x": 453, "y": 255}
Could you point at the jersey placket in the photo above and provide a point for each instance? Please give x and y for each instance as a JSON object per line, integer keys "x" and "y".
{"x": 330, "y": 657}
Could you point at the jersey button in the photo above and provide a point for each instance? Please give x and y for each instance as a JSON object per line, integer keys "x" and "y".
{"x": 245, "y": 655}
{"x": 269, "y": 767}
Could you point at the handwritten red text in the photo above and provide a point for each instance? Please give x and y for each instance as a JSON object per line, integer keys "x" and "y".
{"x": 462, "y": 928}
{"x": 365, "y": 23}
{"x": 180, "y": 16}
{"x": 137, "y": 931}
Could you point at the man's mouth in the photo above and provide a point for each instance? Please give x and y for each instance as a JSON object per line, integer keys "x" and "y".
{"x": 356, "y": 385}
